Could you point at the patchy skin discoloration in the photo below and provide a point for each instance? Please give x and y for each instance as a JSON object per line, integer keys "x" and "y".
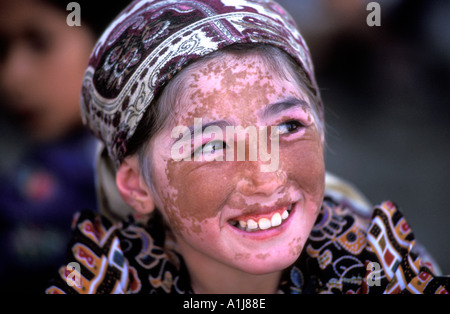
{"x": 240, "y": 256}
{"x": 262, "y": 256}
{"x": 296, "y": 246}
{"x": 234, "y": 87}
{"x": 198, "y": 198}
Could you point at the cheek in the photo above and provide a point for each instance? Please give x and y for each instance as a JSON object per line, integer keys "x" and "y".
{"x": 194, "y": 194}
{"x": 304, "y": 164}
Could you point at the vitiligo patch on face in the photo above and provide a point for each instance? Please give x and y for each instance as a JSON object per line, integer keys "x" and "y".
{"x": 209, "y": 205}
{"x": 190, "y": 146}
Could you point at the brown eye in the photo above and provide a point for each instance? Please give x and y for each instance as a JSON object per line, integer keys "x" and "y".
{"x": 289, "y": 127}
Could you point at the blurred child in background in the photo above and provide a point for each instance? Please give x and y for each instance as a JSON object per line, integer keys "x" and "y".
{"x": 46, "y": 164}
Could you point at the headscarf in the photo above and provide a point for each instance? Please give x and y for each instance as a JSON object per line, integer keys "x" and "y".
{"x": 149, "y": 42}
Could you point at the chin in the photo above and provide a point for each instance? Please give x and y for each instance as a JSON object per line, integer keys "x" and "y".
{"x": 263, "y": 265}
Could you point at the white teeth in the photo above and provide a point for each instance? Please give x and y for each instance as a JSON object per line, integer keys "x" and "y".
{"x": 276, "y": 220}
{"x": 263, "y": 223}
{"x": 251, "y": 224}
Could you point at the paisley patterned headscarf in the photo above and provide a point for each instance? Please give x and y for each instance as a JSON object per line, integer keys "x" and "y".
{"x": 150, "y": 41}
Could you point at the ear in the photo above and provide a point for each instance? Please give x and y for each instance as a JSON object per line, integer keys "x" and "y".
{"x": 133, "y": 188}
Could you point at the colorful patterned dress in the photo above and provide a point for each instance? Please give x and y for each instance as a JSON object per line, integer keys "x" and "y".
{"x": 345, "y": 253}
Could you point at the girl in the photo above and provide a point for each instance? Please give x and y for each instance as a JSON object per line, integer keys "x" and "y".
{"x": 185, "y": 96}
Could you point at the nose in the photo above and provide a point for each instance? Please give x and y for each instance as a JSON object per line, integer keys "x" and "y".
{"x": 254, "y": 181}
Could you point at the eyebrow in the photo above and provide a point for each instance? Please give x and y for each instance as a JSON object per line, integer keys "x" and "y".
{"x": 271, "y": 109}
{"x": 275, "y": 108}
{"x": 220, "y": 123}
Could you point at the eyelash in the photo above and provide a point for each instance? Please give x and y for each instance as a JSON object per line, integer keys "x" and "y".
{"x": 224, "y": 145}
{"x": 295, "y": 124}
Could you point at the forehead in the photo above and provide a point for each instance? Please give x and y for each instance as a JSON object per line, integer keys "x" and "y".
{"x": 231, "y": 86}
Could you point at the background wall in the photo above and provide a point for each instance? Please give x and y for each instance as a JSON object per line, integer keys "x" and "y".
{"x": 386, "y": 92}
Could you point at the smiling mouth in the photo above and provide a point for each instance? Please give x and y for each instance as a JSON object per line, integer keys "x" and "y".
{"x": 262, "y": 222}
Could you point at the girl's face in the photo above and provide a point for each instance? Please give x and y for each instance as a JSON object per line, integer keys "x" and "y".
{"x": 230, "y": 212}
